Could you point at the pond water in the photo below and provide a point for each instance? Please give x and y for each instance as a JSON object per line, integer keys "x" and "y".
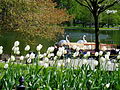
{"x": 106, "y": 36}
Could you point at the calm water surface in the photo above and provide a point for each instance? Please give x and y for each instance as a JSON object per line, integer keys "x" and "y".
{"x": 111, "y": 36}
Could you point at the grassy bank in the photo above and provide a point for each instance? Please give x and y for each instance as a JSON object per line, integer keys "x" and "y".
{"x": 88, "y": 28}
{"x": 7, "y": 40}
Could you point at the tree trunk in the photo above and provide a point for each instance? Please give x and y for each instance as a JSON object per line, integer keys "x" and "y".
{"x": 96, "y": 33}
{"x": 97, "y": 38}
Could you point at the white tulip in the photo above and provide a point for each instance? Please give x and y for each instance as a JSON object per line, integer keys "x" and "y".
{"x": 16, "y": 49}
{"x": 1, "y": 47}
{"x": 88, "y": 53}
{"x": 16, "y": 43}
{"x": 75, "y": 54}
{"x": 18, "y": 52}
{"x": 119, "y": 53}
{"x": 65, "y": 51}
{"x": 107, "y": 57}
{"x": 27, "y": 48}
{"x": 107, "y": 85}
{"x": 40, "y": 56}
{"x": 13, "y": 48}
{"x": 27, "y": 56}
{"x": 108, "y": 53}
{"x": 60, "y": 49}
{"x": 90, "y": 81}
{"x": 21, "y": 58}
{"x": 8, "y": 60}
{"x": 109, "y": 63}
{"x": 12, "y": 58}
{"x": 85, "y": 61}
{"x": 38, "y": 48}
{"x": 59, "y": 64}
{"x": 29, "y": 60}
{"x": 85, "y": 56}
{"x": 51, "y": 54}
{"x": 55, "y": 58}
{"x": 6, "y": 66}
{"x": 46, "y": 59}
{"x": 95, "y": 63}
{"x": 63, "y": 48}
{"x": 46, "y": 65}
{"x": 117, "y": 50}
{"x": 50, "y": 49}
{"x": 44, "y": 55}
{"x": 96, "y": 54}
{"x": 1, "y": 51}
{"x": 100, "y": 53}
{"x": 116, "y": 65}
{"x": 118, "y": 57}
{"x": 32, "y": 55}
{"x": 59, "y": 53}
{"x": 68, "y": 60}
{"x": 102, "y": 59}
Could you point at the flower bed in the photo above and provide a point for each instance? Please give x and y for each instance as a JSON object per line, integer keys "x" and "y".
{"x": 60, "y": 68}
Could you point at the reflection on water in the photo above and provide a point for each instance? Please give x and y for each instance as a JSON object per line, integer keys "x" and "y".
{"x": 110, "y": 36}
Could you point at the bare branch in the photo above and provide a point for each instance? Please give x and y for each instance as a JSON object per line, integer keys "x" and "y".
{"x": 84, "y": 5}
{"x": 101, "y": 1}
{"x": 103, "y": 7}
{"x": 89, "y": 4}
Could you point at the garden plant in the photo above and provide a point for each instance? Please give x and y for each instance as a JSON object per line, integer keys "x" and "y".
{"x": 62, "y": 73}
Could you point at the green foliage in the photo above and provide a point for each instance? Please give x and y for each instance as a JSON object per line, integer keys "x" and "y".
{"x": 30, "y": 21}
{"x": 32, "y": 18}
{"x": 37, "y": 77}
{"x": 7, "y": 40}
{"x": 82, "y": 14}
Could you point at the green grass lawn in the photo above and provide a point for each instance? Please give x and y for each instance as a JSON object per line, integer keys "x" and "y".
{"x": 92, "y": 28}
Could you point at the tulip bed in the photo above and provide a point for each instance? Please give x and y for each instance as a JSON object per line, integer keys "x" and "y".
{"x": 39, "y": 73}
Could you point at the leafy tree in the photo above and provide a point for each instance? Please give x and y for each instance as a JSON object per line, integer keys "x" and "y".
{"x": 80, "y": 14}
{"x": 111, "y": 18}
{"x": 96, "y": 7}
{"x": 33, "y": 18}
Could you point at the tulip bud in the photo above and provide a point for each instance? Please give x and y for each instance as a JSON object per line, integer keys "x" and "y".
{"x": 16, "y": 43}
{"x": 29, "y": 60}
{"x": 59, "y": 53}
{"x": 27, "y": 48}
{"x": 88, "y": 53}
{"x": 22, "y": 58}
{"x": 107, "y": 85}
{"x": 96, "y": 54}
{"x": 1, "y": 51}
{"x": 101, "y": 53}
{"x": 46, "y": 65}
{"x": 12, "y": 58}
{"x": 1, "y": 47}
{"x": 32, "y": 55}
{"x": 6, "y": 66}
{"x": 38, "y": 48}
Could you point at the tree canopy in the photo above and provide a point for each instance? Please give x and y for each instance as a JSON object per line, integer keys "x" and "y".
{"x": 32, "y": 17}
